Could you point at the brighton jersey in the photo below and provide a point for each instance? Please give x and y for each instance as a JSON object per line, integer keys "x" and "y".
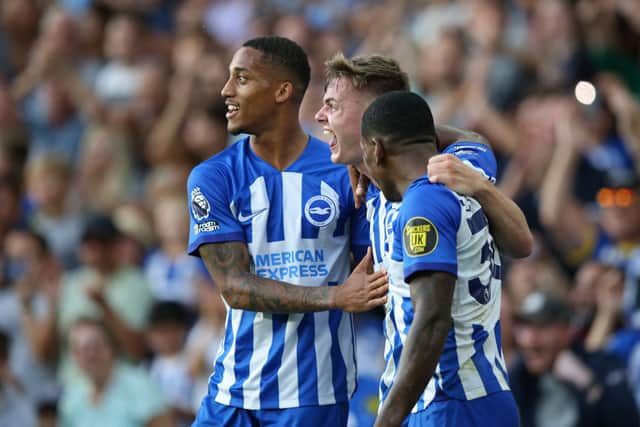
{"x": 299, "y": 225}
{"x": 475, "y": 335}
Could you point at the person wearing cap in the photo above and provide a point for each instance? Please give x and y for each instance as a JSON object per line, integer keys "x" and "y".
{"x": 101, "y": 288}
{"x": 559, "y": 384}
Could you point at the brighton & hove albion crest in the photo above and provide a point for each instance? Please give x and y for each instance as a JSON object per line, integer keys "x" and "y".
{"x": 200, "y": 206}
{"x": 320, "y": 210}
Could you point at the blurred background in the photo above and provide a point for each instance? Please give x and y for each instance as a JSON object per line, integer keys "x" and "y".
{"x": 105, "y": 106}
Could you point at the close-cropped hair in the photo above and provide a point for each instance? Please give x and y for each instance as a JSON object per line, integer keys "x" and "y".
{"x": 399, "y": 117}
{"x": 287, "y": 55}
{"x": 372, "y": 73}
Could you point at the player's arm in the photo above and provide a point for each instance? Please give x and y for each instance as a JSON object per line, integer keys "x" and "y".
{"x": 448, "y": 135}
{"x": 229, "y": 265}
{"x": 431, "y": 296}
{"x": 506, "y": 220}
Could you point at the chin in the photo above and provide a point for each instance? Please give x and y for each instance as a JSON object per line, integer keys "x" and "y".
{"x": 337, "y": 159}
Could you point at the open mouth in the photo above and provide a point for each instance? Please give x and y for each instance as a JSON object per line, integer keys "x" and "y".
{"x": 232, "y": 111}
{"x": 333, "y": 141}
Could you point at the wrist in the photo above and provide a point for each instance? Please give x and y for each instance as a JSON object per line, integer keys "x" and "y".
{"x": 482, "y": 189}
{"x": 333, "y": 297}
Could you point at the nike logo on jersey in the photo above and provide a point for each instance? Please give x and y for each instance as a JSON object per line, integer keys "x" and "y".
{"x": 247, "y": 218}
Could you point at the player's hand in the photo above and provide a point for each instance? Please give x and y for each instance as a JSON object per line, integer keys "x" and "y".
{"x": 359, "y": 185}
{"x": 362, "y": 291}
{"x": 449, "y": 170}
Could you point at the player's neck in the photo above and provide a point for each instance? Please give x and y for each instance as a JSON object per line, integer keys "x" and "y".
{"x": 281, "y": 145}
{"x": 409, "y": 167}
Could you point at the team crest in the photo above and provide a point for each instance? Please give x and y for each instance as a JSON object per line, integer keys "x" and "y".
{"x": 420, "y": 237}
{"x": 320, "y": 210}
{"x": 200, "y": 206}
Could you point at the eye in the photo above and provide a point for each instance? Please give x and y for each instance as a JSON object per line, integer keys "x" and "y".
{"x": 241, "y": 79}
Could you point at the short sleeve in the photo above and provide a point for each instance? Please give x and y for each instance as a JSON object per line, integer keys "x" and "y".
{"x": 209, "y": 201}
{"x": 359, "y": 232}
{"x": 426, "y": 230}
{"x": 477, "y": 156}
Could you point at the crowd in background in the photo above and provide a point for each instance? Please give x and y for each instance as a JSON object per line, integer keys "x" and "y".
{"x": 106, "y": 105}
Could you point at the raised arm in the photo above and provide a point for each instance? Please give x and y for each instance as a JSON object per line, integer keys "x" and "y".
{"x": 229, "y": 265}
{"x": 561, "y": 214}
{"x": 431, "y": 295}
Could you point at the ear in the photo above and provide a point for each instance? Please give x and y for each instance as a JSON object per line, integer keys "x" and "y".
{"x": 284, "y": 92}
{"x": 378, "y": 150}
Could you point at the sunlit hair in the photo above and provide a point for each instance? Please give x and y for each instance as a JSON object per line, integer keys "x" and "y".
{"x": 372, "y": 73}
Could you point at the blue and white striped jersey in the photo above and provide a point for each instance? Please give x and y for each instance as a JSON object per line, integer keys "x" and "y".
{"x": 471, "y": 365}
{"x": 298, "y": 224}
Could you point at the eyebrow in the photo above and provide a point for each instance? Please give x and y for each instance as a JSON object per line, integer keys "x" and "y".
{"x": 238, "y": 69}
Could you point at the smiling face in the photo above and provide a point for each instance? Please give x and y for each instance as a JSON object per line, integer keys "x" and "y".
{"x": 341, "y": 117}
{"x": 250, "y": 92}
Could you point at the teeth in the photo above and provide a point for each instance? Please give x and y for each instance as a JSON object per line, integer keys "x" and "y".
{"x": 231, "y": 108}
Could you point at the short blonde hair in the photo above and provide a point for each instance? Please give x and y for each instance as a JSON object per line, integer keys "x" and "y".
{"x": 371, "y": 73}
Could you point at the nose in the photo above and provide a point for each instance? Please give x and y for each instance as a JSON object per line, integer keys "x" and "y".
{"x": 227, "y": 91}
{"x": 321, "y": 116}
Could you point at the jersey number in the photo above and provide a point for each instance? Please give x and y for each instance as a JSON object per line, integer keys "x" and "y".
{"x": 481, "y": 291}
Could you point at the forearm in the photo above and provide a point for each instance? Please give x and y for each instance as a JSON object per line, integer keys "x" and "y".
{"x": 601, "y": 328}
{"x": 507, "y": 221}
{"x": 131, "y": 340}
{"x": 431, "y": 297}
{"x": 41, "y": 334}
{"x": 418, "y": 361}
{"x": 250, "y": 292}
{"x": 556, "y": 185}
{"x": 448, "y": 135}
{"x": 228, "y": 264}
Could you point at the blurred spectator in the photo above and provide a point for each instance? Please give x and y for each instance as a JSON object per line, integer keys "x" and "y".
{"x": 11, "y": 212}
{"x": 120, "y": 78}
{"x": 205, "y": 339}
{"x": 18, "y": 28}
{"x": 15, "y": 409}
{"x": 105, "y": 173}
{"x": 49, "y": 189}
{"x": 136, "y": 233}
{"x": 168, "y": 326}
{"x": 112, "y": 393}
{"x": 28, "y": 304}
{"x": 100, "y": 288}
{"x": 48, "y": 414}
{"x": 170, "y": 272}
{"x": 557, "y": 384}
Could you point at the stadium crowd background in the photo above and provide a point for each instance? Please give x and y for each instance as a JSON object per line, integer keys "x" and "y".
{"x": 105, "y": 106}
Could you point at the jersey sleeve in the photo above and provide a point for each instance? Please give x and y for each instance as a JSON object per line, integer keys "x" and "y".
{"x": 425, "y": 234}
{"x": 359, "y": 233}
{"x": 477, "y": 156}
{"x": 359, "y": 225}
{"x": 209, "y": 199}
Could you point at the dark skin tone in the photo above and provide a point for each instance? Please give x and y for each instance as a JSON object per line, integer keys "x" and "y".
{"x": 394, "y": 167}
{"x": 431, "y": 296}
{"x": 263, "y": 102}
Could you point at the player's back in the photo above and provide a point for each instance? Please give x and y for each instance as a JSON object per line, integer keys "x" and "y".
{"x": 443, "y": 231}
{"x": 297, "y": 225}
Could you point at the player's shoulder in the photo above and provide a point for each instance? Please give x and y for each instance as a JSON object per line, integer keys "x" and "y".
{"x": 425, "y": 195}
{"x": 477, "y": 155}
{"x": 224, "y": 162}
{"x": 422, "y": 186}
{"x": 317, "y": 158}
